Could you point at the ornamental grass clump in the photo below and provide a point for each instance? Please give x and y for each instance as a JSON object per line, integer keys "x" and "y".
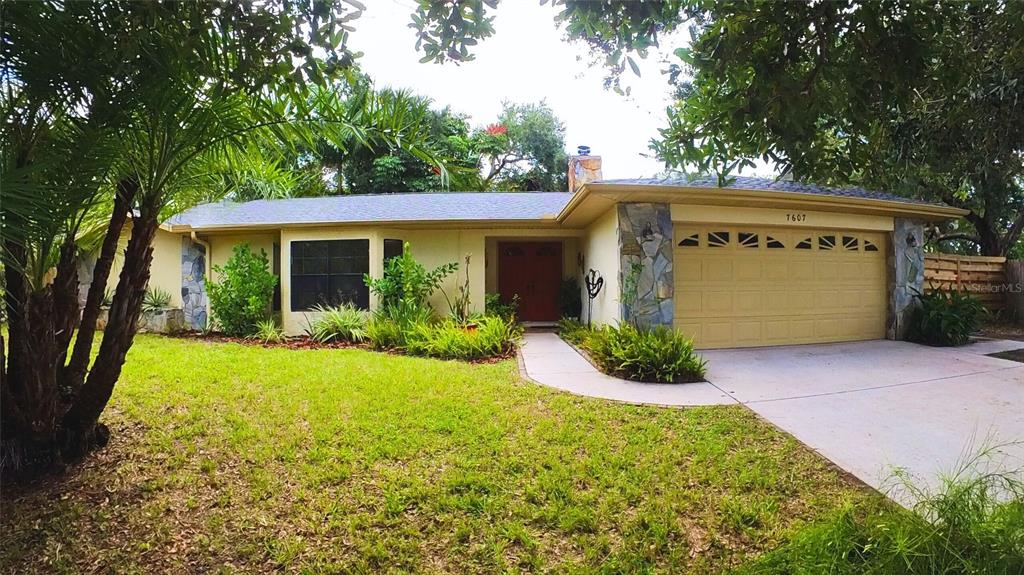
{"x": 973, "y": 524}
{"x": 267, "y": 332}
{"x": 342, "y": 323}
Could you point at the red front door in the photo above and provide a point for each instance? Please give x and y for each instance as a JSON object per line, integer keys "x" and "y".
{"x": 533, "y": 271}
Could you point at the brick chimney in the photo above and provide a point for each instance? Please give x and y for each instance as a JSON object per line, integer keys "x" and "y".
{"x": 583, "y": 169}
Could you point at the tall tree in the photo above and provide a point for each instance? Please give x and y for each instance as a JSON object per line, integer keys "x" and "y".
{"x": 523, "y": 150}
{"x": 920, "y": 98}
{"x": 131, "y": 110}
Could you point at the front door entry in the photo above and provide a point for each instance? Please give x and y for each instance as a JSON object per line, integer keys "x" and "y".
{"x": 533, "y": 271}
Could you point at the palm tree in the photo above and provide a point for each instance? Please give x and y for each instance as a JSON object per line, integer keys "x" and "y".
{"x": 135, "y": 141}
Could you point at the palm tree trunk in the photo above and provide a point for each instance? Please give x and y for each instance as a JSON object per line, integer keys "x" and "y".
{"x": 80, "y": 423}
{"x": 73, "y": 375}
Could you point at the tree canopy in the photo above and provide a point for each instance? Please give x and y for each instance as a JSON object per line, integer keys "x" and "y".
{"x": 522, "y": 149}
{"x": 919, "y": 98}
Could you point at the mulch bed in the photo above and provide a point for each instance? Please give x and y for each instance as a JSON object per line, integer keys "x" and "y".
{"x": 1004, "y": 331}
{"x": 303, "y": 342}
{"x": 289, "y": 342}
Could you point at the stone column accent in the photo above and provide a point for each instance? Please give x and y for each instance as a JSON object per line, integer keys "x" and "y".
{"x": 193, "y": 284}
{"x": 645, "y": 264}
{"x": 583, "y": 170}
{"x": 906, "y": 274}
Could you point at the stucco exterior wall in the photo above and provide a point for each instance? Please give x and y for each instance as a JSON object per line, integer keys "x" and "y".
{"x": 222, "y": 246}
{"x": 431, "y": 247}
{"x": 164, "y": 272}
{"x": 600, "y": 248}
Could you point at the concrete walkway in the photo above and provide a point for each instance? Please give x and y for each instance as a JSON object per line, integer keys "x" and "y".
{"x": 550, "y": 361}
{"x": 868, "y": 406}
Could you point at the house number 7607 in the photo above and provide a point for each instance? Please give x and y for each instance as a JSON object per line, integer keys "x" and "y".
{"x": 796, "y": 217}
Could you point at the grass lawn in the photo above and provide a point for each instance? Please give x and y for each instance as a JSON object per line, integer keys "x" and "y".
{"x": 230, "y": 458}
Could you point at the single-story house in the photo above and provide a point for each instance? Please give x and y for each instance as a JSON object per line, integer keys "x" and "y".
{"x": 756, "y": 262}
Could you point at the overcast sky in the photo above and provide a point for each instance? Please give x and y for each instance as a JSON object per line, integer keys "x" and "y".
{"x": 525, "y": 61}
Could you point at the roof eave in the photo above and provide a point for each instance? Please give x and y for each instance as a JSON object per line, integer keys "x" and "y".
{"x": 763, "y": 198}
{"x": 465, "y": 223}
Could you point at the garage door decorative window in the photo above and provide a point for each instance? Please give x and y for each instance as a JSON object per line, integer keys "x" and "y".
{"x": 778, "y": 285}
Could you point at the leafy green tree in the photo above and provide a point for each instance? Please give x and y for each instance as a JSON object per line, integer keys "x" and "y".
{"x": 130, "y": 112}
{"x": 919, "y": 98}
{"x": 376, "y": 169}
{"x": 523, "y": 150}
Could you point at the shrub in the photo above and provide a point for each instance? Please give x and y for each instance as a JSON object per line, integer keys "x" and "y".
{"x": 448, "y": 339}
{"x": 945, "y": 318}
{"x": 385, "y": 333}
{"x": 389, "y": 327}
{"x": 657, "y": 354}
{"x": 494, "y": 307}
{"x": 339, "y": 323}
{"x": 155, "y": 299}
{"x": 242, "y": 298}
{"x": 573, "y": 331}
{"x": 267, "y": 331}
{"x": 406, "y": 281}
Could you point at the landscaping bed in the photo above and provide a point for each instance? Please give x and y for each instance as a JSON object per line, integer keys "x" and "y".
{"x": 244, "y": 459}
{"x": 646, "y": 355}
{"x": 306, "y": 342}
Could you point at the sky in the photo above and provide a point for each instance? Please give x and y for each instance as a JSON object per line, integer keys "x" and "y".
{"x": 526, "y": 60}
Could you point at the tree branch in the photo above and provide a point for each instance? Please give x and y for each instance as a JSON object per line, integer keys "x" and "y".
{"x": 958, "y": 236}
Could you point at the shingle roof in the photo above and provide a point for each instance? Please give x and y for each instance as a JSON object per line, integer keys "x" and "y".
{"x": 451, "y": 206}
{"x": 768, "y": 184}
{"x": 464, "y": 206}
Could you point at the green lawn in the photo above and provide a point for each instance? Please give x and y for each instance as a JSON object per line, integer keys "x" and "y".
{"x": 231, "y": 458}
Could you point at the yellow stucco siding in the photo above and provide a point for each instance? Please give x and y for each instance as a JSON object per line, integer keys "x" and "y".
{"x": 778, "y": 217}
{"x": 222, "y": 246}
{"x": 164, "y": 272}
{"x": 430, "y": 247}
{"x": 601, "y": 252}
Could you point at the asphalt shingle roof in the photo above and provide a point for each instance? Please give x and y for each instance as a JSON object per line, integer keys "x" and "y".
{"x": 768, "y": 184}
{"x": 452, "y": 206}
{"x": 463, "y": 206}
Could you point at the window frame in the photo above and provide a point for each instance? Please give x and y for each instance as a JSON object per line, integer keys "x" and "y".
{"x": 333, "y": 252}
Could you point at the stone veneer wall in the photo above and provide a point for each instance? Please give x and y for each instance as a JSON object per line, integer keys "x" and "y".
{"x": 193, "y": 284}
{"x": 906, "y": 274}
{"x": 645, "y": 244}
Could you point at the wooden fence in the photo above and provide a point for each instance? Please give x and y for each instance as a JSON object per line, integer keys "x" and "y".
{"x": 981, "y": 276}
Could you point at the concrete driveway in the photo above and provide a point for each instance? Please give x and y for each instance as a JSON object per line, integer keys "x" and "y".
{"x": 872, "y": 406}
